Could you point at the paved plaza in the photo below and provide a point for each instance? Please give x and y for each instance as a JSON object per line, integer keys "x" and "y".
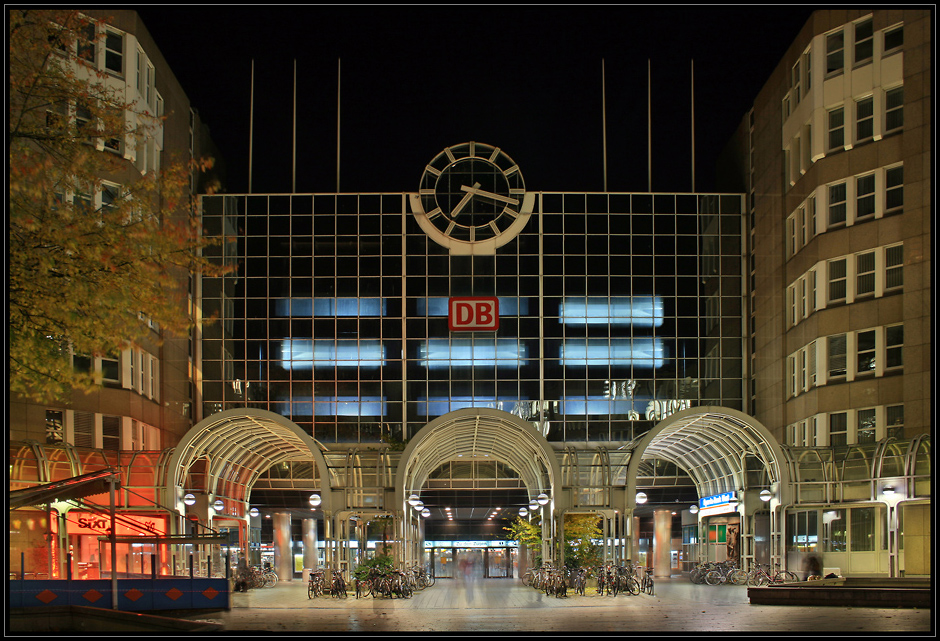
{"x": 484, "y": 605}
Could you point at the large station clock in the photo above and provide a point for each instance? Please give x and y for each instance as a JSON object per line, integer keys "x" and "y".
{"x": 472, "y": 199}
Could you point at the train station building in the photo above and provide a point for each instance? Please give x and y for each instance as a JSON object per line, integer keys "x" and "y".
{"x": 740, "y": 375}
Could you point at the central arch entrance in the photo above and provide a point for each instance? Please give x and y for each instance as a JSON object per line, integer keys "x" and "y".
{"x": 474, "y": 435}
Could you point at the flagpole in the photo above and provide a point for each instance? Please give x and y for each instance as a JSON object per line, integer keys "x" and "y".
{"x": 604, "y": 118}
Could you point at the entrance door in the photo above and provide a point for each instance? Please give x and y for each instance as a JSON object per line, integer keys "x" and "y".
{"x": 443, "y": 567}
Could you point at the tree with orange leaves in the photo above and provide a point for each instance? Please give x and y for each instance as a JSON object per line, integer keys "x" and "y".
{"x": 92, "y": 267}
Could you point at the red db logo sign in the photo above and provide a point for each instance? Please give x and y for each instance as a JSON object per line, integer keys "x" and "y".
{"x": 473, "y": 314}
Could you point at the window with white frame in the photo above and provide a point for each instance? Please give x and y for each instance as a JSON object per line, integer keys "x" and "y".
{"x": 835, "y": 48}
{"x": 838, "y": 429}
{"x": 836, "y": 351}
{"x": 837, "y": 204}
{"x": 864, "y": 41}
{"x": 865, "y": 426}
{"x": 865, "y": 353}
{"x": 795, "y": 82}
{"x": 808, "y": 66}
{"x": 894, "y": 190}
{"x": 836, "y": 119}
{"x": 894, "y": 267}
{"x": 894, "y": 109}
{"x": 865, "y": 274}
{"x": 837, "y": 280}
{"x": 864, "y": 119}
{"x": 114, "y": 52}
{"x": 893, "y": 39}
{"x": 894, "y": 344}
{"x": 865, "y": 197}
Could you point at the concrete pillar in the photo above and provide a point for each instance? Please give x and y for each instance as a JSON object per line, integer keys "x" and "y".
{"x": 636, "y": 540}
{"x": 662, "y": 543}
{"x": 283, "y": 555}
{"x": 310, "y": 543}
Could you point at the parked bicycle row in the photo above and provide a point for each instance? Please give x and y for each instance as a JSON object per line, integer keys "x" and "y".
{"x": 728, "y": 572}
{"x": 610, "y": 579}
{"x": 375, "y": 581}
{"x": 254, "y": 577}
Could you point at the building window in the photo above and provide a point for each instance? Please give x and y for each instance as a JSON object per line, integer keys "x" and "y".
{"x": 894, "y": 267}
{"x": 110, "y": 371}
{"x": 837, "y": 356}
{"x": 835, "y": 46}
{"x": 86, "y": 43}
{"x": 865, "y": 426}
{"x": 83, "y": 429}
{"x": 862, "y": 529}
{"x": 838, "y": 429}
{"x": 864, "y": 274}
{"x": 865, "y": 353}
{"x": 55, "y": 427}
{"x": 894, "y": 109}
{"x": 894, "y": 190}
{"x": 836, "y": 129}
{"x": 865, "y": 197}
{"x": 111, "y": 433}
{"x": 864, "y": 119}
{"x": 837, "y": 280}
{"x": 894, "y": 344}
{"x": 894, "y": 38}
{"x": 114, "y": 52}
{"x": 836, "y": 204}
{"x": 894, "y": 417}
{"x": 864, "y": 41}
{"x": 795, "y": 83}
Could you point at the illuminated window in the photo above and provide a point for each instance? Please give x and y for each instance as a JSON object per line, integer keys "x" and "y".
{"x": 865, "y": 429}
{"x": 472, "y": 352}
{"x": 865, "y": 344}
{"x": 644, "y": 311}
{"x": 636, "y": 352}
{"x": 307, "y": 353}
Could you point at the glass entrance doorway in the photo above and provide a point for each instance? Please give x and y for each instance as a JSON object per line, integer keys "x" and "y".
{"x": 473, "y": 562}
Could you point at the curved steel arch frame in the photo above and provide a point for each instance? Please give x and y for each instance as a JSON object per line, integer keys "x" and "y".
{"x": 223, "y": 438}
{"x": 704, "y": 441}
{"x": 476, "y": 432}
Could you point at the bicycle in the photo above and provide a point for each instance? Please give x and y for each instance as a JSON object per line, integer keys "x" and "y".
{"x": 315, "y": 584}
{"x": 646, "y": 584}
{"x": 727, "y": 572}
{"x": 760, "y": 576}
{"x": 338, "y": 585}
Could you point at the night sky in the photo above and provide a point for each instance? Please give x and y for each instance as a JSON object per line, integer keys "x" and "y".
{"x": 415, "y": 80}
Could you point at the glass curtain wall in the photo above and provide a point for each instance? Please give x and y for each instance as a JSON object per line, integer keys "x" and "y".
{"x": 615, "y": 310}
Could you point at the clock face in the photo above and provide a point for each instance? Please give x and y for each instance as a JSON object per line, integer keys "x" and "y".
{"x": 472, "y": 192}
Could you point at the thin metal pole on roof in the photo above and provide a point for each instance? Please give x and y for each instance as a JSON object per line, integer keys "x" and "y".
{"x": 251, "y": 123}
{"x": 337, "y": 121}
{"x": 649, "y": 128}
{"x": 693, "y": 126}
{"x": 604, "y": 118}
{"x": 293, "y": 181}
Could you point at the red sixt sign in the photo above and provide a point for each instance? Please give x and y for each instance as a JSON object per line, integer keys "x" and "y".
{"x": 474, "y": 313}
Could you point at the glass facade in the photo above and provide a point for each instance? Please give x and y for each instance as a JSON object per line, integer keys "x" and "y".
{"x": 614, "y": 310}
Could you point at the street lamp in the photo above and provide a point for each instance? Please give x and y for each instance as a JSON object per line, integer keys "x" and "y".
{"x": 542, "y": 499}
{"x": 253, "y": 512}
{"x": 523, "y": 511}
{"x": 413, "y": 500}
{"x": 315, "y": 500}
{"x": 425, "y": 512}
{"x": 766, "y": 495}
{"x": 641, "y": 497}
{"x": 219, "y": 505}
{"x": 533, "y": 505}
{"x": 189, "y": 499}
{"x": 693, "y": 509}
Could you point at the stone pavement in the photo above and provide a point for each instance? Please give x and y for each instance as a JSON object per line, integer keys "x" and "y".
{"x": 505, "y": 604}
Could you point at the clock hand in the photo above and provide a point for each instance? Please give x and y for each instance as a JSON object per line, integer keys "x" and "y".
{"x": 463, "y": 201}
{"x": 488, "y": 194}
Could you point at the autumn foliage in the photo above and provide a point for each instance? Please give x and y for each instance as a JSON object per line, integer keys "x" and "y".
{"x": 100, "y": 252}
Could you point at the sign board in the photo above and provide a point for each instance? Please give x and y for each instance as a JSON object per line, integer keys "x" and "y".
{"x": 717, "y": 504}
{"x": 473, "y": 313}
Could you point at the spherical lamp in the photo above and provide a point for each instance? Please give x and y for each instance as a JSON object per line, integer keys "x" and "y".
{"x": 641, "y": 497}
